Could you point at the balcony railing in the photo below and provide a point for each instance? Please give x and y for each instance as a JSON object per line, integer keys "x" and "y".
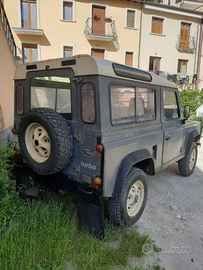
{"x": 101, "y": 30}
{"x": 186, "y": 43}
{"x": 7, "y": 30}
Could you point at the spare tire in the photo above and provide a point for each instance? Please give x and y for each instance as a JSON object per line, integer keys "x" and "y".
{"x": 46, "y": 141}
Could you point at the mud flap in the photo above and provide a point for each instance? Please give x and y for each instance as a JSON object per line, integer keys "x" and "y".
{"x": 90, "y": 215}
{"x": 22, "y": 179}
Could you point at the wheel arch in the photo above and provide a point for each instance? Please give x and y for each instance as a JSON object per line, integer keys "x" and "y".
{"x": 141, "y": 159}
{"x": 194, "y": 136}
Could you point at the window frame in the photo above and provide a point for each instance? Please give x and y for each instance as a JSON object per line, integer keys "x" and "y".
{"x": 157, "y": 57}
{"x": 178, "y": 107}
{"x": 133, "y": 59}
{"x": 98, "y": 48}
{"x": 126, "y": 18}
{"x": 163, "y": 25}
{"x": 68, "y": 116}
{"x": 63, "y": 45}
{"x": 187, "y": 61}
{"x": 136, "y": 119}
{"x": 88, "y": 123}
{"x": 32, "y": 45}
{"x": 73, "y": 10}
{"x": 28, "y": 15}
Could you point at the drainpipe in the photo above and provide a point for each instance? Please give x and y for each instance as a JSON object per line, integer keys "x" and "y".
{"x": 199, "y": 53}
{"x": 140, "y": 35}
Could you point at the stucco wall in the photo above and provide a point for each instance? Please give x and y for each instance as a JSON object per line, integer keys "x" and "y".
{"x": 164, "y": 46}
{"x": 7, "y": 69}
{"x": 57, "y": 32}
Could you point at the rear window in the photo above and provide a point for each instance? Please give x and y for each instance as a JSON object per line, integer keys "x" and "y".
{"x": 88, "y": 103}
{"x": 130, "y": 104}
{"x": 52, "y": 92}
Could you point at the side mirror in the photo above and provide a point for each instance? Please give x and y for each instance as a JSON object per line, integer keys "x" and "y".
{"x": 186, "y": 112}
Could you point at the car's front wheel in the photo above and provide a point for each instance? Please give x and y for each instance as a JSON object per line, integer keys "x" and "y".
{"x": 187, "y": 164}
{"x": 129, "y": 205}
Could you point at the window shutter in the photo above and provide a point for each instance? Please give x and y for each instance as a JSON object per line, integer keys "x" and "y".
{"x": 129, "y": 59}
{"x": 131, "y": 18}
{"x": 98, "y": 53}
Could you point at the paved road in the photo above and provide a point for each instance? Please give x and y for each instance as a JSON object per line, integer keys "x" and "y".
{"x": 174, "y": 217}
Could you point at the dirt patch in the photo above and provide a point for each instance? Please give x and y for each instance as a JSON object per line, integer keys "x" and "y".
{"x": 173, "y": 217}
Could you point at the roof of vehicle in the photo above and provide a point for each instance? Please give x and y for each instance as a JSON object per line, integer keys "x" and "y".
{"x": 85, "y": 65}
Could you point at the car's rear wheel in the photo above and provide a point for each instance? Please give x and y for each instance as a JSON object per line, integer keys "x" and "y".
{"x": 45, "y": 140}
{"x": 129, "y": 205}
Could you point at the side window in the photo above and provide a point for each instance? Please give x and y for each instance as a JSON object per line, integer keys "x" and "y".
{"x": 171, "y": 110}
{"x": 122, "y": 104}
{"x": 88, "y": 103}
{"x": 145, "y": 104}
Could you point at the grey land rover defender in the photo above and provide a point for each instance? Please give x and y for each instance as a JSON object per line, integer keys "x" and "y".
{"x": 98, "y": 128}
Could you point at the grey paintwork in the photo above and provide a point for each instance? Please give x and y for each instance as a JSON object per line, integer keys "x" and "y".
{"x": 124, "y": 145}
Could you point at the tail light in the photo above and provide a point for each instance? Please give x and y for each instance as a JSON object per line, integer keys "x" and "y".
{"x": 99, "y": 147}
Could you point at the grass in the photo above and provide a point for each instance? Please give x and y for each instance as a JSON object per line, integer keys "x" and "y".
{"x": 43, "y": 234}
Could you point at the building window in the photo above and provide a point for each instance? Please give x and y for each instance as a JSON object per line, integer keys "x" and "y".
{"x": 29, "y": 53}
{"x": 157, "y": 25}
{"x": 182, "y": 66}
{"x": 185, "y": 35}
{"x": 129, "y": 59}
{"x": 68, "y": 11}
{"x": 67, "y": 51}
{"x": 29, "y": 14}
{"x": 131, "y": 16}
{"x": 100, "y": 53}
{"x": 154, "y": 64}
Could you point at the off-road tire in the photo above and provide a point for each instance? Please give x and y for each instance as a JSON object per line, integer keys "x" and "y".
{"x": 184, "y": 164}
{"x": 117, "y": 206}
{"x": 58, "y": 138}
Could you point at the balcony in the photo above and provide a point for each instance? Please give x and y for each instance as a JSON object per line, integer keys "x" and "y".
{"x": 28, "y": 31}
{"x": 7, "y": 30}
{"x": 101, "y": 30}
{"x": 186, "y": 43}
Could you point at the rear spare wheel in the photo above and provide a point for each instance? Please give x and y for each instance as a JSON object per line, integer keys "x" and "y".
{"x": 45, "y": 140}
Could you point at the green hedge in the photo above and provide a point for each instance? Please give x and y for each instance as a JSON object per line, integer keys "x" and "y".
{"x": 194, "y": 98}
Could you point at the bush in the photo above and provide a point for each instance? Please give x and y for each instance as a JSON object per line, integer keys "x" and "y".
{"x": 194, "y": 98}
{"x": 9, "y": 200}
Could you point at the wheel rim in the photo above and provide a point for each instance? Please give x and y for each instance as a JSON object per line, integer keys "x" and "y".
{"x": 135, "y": 198}
{"x": 192, "y": 159}
{"x": 37, "y": 142}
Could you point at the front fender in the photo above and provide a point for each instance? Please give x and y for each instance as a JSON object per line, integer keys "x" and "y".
{"x": 125, "y": 166}
{"x": 193, "y": 136}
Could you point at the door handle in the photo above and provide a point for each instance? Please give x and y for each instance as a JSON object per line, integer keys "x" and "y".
{"x": 168, "y": 138}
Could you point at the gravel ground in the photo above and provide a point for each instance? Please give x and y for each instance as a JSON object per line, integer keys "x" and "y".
{"x": 173, "y": 217}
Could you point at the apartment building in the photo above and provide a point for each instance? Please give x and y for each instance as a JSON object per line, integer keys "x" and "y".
{"x": 170, "y": 42}
{"x": 7, "y": 69}
{"x": 48, "y": 29}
